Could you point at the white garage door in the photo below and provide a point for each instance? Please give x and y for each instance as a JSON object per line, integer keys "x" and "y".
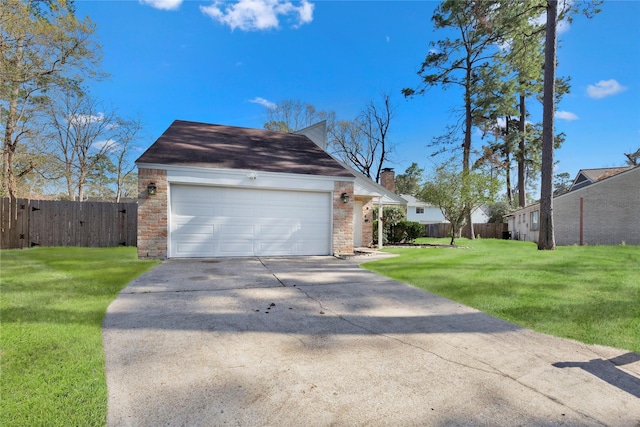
{"x": 222, "y": 221}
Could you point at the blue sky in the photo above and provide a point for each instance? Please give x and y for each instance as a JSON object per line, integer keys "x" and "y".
{"x": 220, "y": 62}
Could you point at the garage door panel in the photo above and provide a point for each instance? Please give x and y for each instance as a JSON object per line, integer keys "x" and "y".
{"x": 236, "y": 248}
{"x": 188, "y": 248}
{"x": 275, "y": 233}
{"x": 194, "y": 210}
{"x": 195, "y": 229}
{"x": 223, "y": 221}
{"x": 191, "y": 193}
{"x": 228, "y": 231}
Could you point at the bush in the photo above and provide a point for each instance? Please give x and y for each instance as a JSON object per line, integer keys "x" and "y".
{"x": 400, "y": 232}
{"x": 414, "y": 230}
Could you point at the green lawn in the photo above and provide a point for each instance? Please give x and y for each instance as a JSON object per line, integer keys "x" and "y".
{"x": 589, "y": 293}
{"x": 52, "y": 302}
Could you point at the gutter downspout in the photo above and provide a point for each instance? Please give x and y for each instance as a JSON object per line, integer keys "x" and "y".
{"x": 380, "y": 225}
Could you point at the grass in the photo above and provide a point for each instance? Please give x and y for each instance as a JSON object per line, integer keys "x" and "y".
{"x": 52, "y": 304}
{"x": 586, "y": 293}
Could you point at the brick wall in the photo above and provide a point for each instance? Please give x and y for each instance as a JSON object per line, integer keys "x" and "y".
{"x": 367, "y": 223}
{"x": 152, "y": 214}
{"x": 388, "y": 179}
{"x": 342, "y": 219}
{"x": 609, "y": 214}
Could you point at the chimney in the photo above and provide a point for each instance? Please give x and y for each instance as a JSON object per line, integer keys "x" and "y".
{"x": 388, "y": 179}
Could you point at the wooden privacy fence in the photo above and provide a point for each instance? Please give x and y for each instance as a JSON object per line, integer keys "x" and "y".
{"x": 485, "y": 231}
{"x": 26, "y": 223}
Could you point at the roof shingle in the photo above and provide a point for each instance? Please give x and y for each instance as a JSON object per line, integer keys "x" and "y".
{"x": 187, "y": 143}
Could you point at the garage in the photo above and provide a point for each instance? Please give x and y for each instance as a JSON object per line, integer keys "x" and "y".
{"x": 210, "y": 221}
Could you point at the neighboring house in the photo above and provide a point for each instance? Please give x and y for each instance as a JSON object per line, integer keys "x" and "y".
{"x": 426, "y": 213}
{"x": 422, "y": 212}
{"x": 589, "y": 176}
{"x": 602, "y": 208}
{"x": 210, "y": 190}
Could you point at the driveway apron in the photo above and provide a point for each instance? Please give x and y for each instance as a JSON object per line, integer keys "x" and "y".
{"x": 317, "y": 341}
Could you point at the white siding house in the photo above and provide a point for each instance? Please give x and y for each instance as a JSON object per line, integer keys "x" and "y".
{"x": 426, "y": 213}
{"x": 422, "y": 212}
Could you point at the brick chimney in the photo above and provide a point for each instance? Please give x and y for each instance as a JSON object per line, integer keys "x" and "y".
{"x": 388, "y": 179}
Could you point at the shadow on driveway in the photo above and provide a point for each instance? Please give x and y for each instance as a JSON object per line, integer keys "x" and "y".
{"x": 319, "y": 341}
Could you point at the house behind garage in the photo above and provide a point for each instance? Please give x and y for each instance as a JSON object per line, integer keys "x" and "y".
{"x": 232, "y": 191}
{"x": 602, "y": 207}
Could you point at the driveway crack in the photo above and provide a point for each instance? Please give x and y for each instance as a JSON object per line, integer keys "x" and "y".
{"x": 272, "y": 273}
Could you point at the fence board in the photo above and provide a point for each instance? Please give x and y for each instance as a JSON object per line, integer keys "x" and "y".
{"x": 66, "y": 223}
{"x": 14, "y": 223}
{"x": 485, "y": 231}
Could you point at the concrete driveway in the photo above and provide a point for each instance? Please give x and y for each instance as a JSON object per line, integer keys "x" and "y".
{"x": 317, "y": 341}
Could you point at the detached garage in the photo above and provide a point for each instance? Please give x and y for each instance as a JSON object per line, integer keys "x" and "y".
{"x": 214, "y": 191}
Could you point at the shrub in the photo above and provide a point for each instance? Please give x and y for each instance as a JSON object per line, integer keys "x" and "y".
{"x": 414, "y": 230}
{"x": 402, "y": 231}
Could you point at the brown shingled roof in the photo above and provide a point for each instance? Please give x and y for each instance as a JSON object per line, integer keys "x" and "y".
{"x": 599, "y": 174}
{"x": 227, "y": 147}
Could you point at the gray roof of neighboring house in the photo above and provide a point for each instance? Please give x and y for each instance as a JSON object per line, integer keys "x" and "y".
{"x": 589, "y": 176}
{"x": 600, "y": 177}
{"x": 187, "y": 143}
{"x": 412, "y": 200}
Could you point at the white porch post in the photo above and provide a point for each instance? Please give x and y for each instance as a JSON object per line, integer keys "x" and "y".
{"x": 380, "y": 225}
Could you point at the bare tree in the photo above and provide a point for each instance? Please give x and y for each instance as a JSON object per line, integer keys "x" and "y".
{"x": 43, "y": 46}
{"x": 80, "y": 131}
{"x": 633, "y": 159}
{"x": 126, "y": 134}
{"x": 364, "y": 142}
{"x": 292, "y": 115}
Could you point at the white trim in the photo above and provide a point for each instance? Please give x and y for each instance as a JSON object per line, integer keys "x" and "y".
{"x": 245, "y": 178}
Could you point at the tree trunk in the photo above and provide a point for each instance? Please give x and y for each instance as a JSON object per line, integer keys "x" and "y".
{"x": 546, "y": 240}
{"x": 522, "y": 185}
{"x": 507, "y": 155}
{"x": 466, "y": 146}
{"x": 10, "y": 145}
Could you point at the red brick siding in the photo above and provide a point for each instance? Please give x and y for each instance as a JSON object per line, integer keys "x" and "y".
{"x": 367, "y": 223}
{"x": 152, "y": 214}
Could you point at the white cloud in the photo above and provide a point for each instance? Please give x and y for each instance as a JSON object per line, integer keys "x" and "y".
{"x": 563, "y": 25}
{"x": 265, "y": 103}
{"x": 162, "y": 4}
{"x": 605, "y": 88}
{"x": 502, "y": 122}
{"x": 253, "y": 15}
{"x": 566, "y": 115}
{"x": 85, "y": 119}
{"x": 106, "y": 145}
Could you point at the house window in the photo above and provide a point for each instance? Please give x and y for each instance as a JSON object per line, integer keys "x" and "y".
{"x": 419, "y": 210}
{"x": 535, "y": 220}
